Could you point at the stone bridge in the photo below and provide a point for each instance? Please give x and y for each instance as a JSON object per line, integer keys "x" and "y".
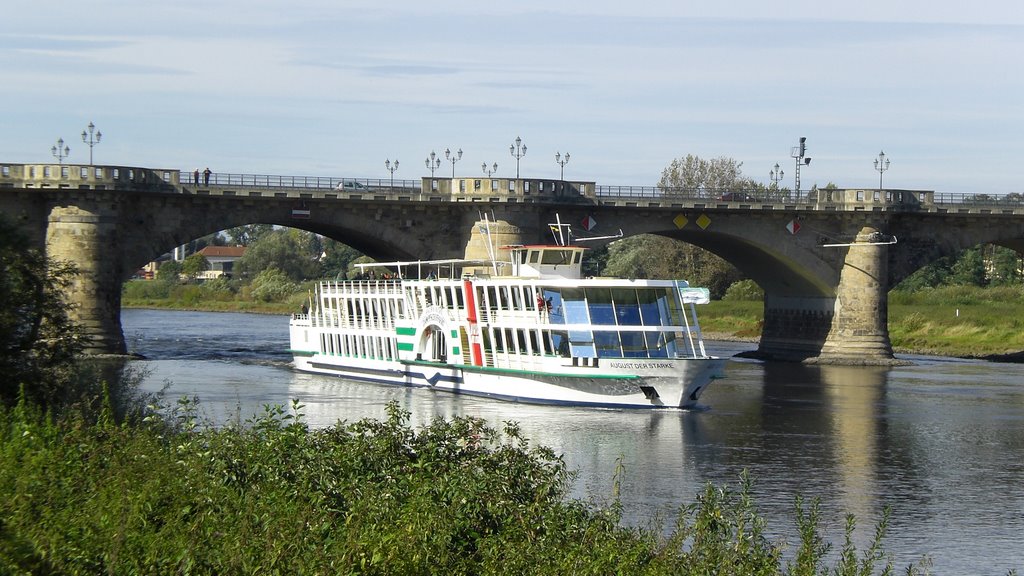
{"x": 825, "y": 259}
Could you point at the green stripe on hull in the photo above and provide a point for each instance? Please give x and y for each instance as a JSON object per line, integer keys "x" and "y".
{"x": 405, "y": 331}
{"x": 488, "y": 369}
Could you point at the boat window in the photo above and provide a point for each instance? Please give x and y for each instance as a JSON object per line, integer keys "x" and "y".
{"x": 557, "y": 257}
{"x": 517, "y": 297}
{"x": 608, "y": 345}
{"x": 633, "y": 345}
{"x": 534, "y": 344}
{"x": 534, "y": 256}
{"x": 560, "y": 342}
{"x": 599, "y": 301}
{"x": 627, "y": 308}
{"x": 555, "y": 313}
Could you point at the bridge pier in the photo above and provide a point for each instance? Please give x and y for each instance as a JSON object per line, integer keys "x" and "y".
{"x": 860, "y": 327}
{"x": 848, "y": 328}
{"x": 507, "y": 229}
{"x": 86, "y": 234}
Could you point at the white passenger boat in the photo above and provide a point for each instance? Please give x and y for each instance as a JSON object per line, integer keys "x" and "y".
{"x": 542, "y": 334}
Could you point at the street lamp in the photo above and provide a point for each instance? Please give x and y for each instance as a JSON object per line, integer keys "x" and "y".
{"x": 453, "y": 158}
{"x": 776, "y": 174}
{"x": 518, "y": 150}
{"x": 90, "y": 139}
{"x": 391, "y": 168}
{"x": 491, "y": 170}
{"x": 60, "y": 151}
{"x": 561, "y": 163}
{"x": 433, "y": 163}
{"x": 881, "y": 164}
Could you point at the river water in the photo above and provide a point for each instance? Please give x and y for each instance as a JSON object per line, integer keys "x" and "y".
{"x": 941, "y": 441}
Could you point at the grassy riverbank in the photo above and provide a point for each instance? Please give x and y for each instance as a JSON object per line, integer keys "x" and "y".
{"x": 82, "y": 495}
{"x": 951, "y": 321}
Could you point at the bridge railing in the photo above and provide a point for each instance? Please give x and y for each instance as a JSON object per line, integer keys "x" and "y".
{"x": 299, "y": 182}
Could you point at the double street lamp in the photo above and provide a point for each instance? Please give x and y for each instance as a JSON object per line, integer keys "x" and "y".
{"x": 433, "y": 163}
{"x": 518, "y": 150}
{"x": 453, "y": 158}
{"x": 561, "y": 164}
{"x": 91, "y": 139}
{"x": 881, "y": 164}
{"x": 391, "y": 168}
{"x": 489, "y": 171}
{"x": 60, "y": 151}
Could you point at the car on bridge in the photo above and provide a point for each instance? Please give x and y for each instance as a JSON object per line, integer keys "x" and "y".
{"x": 351, "y": 185}
{"x": 737, "y": 197}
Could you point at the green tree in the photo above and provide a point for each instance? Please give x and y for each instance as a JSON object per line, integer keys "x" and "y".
{"x": 194, "y": 265}
{"x": 169, "y": 271}
{"x": 38, "y": 339}
{"x": 969, "y": 269}
{"x": 337, "y": 259}
{"x": 706, "y": 177}
{"x": 248, "y": 234}
{"x": 651, "y": 256}
{"x": 1005, "y": 266}
{"x": 294, "y": 252}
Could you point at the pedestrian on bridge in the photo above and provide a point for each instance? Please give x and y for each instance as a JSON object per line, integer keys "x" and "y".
{"x": 195, "y": 177}
{"x": 206, "y": 176}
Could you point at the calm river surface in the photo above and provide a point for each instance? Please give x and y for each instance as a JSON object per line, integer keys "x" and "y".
{"x": 941, "y": 442}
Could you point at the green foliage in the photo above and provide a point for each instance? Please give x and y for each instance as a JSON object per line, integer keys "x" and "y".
{"x": 338, "y": 259}
{"x": 249, "y": 234}
{"x": 272, "y": 285}
{"x": 969, "y": 269}
{"x": 744, "y": 290}
{"x": 272, "y": 496}
{"x": 978, "y": 266}
{"x": 650, "y": 256}
{"x": 38, "y": 339}
{"x": 194, "y": 264}
{"x": 169, "y": 272}
{"x": 710, "y": 177}
{"x": 293, "y": 252}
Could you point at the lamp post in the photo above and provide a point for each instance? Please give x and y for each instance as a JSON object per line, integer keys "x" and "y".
{"x": 491, "y": 170}
{"x": 561, "y": 164}
{"x": 60, "y": 151}
{"x": 433, "y": 163}
{"x": 776, "y": 174}
{"x": 391, "y": 168}
{"x": 881, "y": 164}
{"x": 453, "y": 158}
{"x": 518, "y": 150}
{"x": 91, "y": 139}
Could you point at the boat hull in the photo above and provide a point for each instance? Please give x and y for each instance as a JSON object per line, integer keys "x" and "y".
{"x": 669, "y": 383}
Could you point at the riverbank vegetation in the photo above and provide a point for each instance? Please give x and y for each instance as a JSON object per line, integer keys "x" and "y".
{"x": 92, "y": 496}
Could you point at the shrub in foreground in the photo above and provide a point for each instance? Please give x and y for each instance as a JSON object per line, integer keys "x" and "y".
{"x": 371, "y": 497}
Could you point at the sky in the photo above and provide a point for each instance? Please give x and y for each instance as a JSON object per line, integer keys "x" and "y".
{"x": 336, "y": 87}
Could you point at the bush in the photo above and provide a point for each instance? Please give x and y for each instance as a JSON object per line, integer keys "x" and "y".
{"x": 372, "y": 497}
{"x": 272, "y": 285}
{"x": 744, "y": 290}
